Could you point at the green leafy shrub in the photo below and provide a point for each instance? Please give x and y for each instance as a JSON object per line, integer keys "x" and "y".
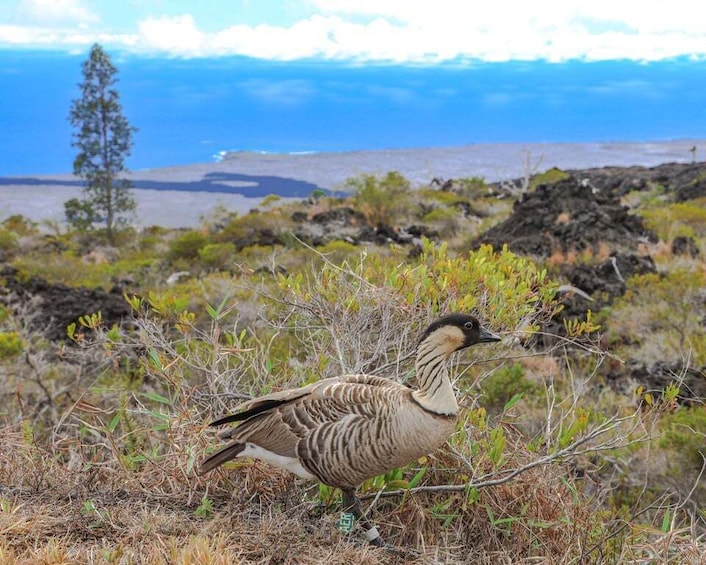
{"x": 446, "y": 219}
{"x": 501, "y": 287}
{"x": 678, "y": 219}
{"x": 440, "y": 196}
{"x": 10, "y": 345}
{"x": 187, "y": 246}
{"x": 381, "y": 199}
{"x": 550, "y": 176}
{"x": 65, "y": 268}
{"x": 248, "y": 230}
{"x": 19, "y": 224}
{"x": 685, "y": 433}
{"x": 337, "y": 251}
{"x": 270, "y": 199}
{"x": 505, "y": 384}
{"x": 8, "y": 243}
{"x": 473, "y": 187}
{"x": 217, "y": 255}
{"x": 660, "y": 317}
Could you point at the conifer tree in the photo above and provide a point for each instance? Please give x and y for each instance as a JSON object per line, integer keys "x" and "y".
{"x": 103, "y": 137}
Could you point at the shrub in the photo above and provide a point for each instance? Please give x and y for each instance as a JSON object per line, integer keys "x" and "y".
{"x": 663, "y": 315}
{"x": 685, "y": 433}
{"x": 187, "y": 246}
{"x": 270, "y": 199}
{"x": 10, "y": 345}
{"x": 353, "y": 303}
{"x": 673, "y": 220}
{"x": 253, "y": 228}
{"x": 441, "y": 196}
{"x": 550, "y": 176}
{"x": 473, "y": 187}
{"x": 217, "y": 256}
{"x": 337, "y": 251}
{"x": 504, "y": 385}
{"x": 445, "y": 218}
{"x": 8, "y": 243}
{"x": 19, "y": 224}
{"x": 381, "y": 199}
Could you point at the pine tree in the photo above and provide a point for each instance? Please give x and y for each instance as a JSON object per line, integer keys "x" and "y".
{"x": 103, "y": 138}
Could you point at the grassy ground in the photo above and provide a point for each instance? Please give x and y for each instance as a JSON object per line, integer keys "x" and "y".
{"x": 550, "y": 462}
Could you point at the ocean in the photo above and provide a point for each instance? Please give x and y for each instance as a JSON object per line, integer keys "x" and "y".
{"x": 191, "y": 111}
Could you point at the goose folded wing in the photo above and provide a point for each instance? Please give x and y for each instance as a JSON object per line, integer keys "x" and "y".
{"x": 319, "y": 389}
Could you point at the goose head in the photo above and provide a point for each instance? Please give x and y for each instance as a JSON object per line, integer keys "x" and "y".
{"x": 455, "y": 332}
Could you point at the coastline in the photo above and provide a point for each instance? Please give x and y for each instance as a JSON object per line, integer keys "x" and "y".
{"x": 180, "y": 196}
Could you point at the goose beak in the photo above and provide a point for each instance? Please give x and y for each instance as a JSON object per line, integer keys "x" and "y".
{"x": 487, "y": 336}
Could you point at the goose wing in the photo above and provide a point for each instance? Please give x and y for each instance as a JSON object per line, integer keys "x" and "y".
{"x": 319, "y": 389}
{"x": 298, "y": 424}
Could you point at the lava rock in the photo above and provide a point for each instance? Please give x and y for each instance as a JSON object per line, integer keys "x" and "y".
{"x": 60, "y": 304}
{"x": 567, "y": 215}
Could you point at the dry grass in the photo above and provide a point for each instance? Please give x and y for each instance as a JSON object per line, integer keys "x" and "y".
{"x": 97, "y": 457}
{"x": 58, "y": 511}
{"x": 72, "y": 503}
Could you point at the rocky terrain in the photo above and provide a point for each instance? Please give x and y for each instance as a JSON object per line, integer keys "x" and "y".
{"x": 682, "y": 181}
{"x": 570, "y": 214}
{"x": 582, "y": 211}
{"x": 59, "y": 304}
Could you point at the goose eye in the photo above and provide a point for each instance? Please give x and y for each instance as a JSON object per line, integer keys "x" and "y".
{"x": 468, "y": 325}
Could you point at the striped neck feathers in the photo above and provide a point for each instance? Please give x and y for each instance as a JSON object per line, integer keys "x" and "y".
{"x": 435, "y": 392}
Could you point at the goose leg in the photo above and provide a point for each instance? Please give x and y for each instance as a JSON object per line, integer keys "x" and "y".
{"x": 352, "y": 504}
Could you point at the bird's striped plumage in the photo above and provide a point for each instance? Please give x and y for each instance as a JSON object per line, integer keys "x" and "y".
{"x": 344, "y": 430}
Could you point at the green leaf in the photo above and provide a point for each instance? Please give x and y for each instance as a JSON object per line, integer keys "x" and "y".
{"x": 514, "y": 400}
{"x": 417, "y": 477}
{"x": 155, "y": 359}
{"x": 666, "y": 521}
{"x": 156, "y": 397}
{"x": 397, "y": 484}
{"x": 114, "y": 421}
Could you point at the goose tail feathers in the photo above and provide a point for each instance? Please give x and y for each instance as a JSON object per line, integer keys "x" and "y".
{"x": 230, "y": 451}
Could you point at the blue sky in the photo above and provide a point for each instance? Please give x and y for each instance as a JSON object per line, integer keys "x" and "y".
{"x": 397, "y": 31}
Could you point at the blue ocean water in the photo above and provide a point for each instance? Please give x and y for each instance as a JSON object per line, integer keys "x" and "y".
{"x": 187, "y": 111}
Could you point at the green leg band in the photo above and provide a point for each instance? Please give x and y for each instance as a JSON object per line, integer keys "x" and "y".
{"x": 346, "y": 522}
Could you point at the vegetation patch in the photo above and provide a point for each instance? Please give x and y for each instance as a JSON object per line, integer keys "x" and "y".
{"x": 580, "y": 438}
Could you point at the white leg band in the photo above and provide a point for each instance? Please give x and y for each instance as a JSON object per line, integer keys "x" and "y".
{"x": 372, "y": 534}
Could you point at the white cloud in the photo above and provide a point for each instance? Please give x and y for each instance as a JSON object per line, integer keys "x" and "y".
{"x": 549, "y": 29}
{"x": 50, "y": 12}
{"x": 23, "y": 36}
{"x": 176, "y": 36}
{"x": 407, "y": 31}
{"x": 306, "y": 38}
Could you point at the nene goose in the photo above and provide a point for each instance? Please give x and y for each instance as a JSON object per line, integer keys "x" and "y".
{"x": 344, "y": 430}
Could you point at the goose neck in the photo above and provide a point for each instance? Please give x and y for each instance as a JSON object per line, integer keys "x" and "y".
{"x": 435, "y": 392}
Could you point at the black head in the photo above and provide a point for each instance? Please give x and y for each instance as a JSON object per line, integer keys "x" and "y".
{"x": 459, "y": 331}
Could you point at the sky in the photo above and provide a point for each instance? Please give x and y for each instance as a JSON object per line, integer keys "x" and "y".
{"x": 392, "y": 31}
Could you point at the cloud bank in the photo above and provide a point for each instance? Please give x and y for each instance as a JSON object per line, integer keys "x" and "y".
{"x": 398, "y": 31}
